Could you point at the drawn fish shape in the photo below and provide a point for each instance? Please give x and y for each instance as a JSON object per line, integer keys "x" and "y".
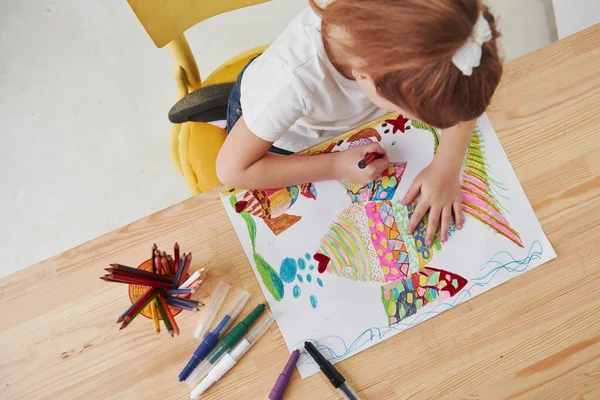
{"x": 406, "y": 297}
{"x": 271, "y": 205}
{"x": 364, "y": 241}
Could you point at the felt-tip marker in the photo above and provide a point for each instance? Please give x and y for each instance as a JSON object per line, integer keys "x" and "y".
{"x": 336, "y": 379}
{"x": 231, "y": 358}
{"x": 228, "y": 342}
{"x": 212, "y": 337}
{"x": 284, "y": 377}
{"x": 368, "y": 159}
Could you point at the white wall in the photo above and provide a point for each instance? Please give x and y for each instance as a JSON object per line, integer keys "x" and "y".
{"x": 573, "y": 16}
{"x": 526, "y": 25}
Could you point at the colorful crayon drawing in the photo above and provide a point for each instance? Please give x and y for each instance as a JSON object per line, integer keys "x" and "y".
{"x": 271, "y": 205}
{"x": 398, "y": 124}
{"x": 365, "y": 242}
{"x": 359, "y": 138}
{"x": 269, "y": 277}
{"x": 477, "y": 191}
{"x": 404, "y": 298}
{"x": 343, "y": 263}
{"x": 478, "y": 188}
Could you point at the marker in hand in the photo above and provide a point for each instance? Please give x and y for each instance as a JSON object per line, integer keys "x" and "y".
{"x": 368, "y": 159}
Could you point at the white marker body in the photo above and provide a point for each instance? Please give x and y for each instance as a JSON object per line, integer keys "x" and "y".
{"x": 217, "y": 372}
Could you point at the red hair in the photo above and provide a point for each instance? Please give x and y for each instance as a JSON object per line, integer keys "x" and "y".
{"x": 406, "y": 47}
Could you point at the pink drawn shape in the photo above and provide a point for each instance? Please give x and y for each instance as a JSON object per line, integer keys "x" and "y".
{"x": 381, "y": 243}
{"x": 478, "y": 203}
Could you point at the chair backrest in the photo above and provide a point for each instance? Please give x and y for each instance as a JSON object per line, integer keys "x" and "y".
{"x": 165, "y": 20}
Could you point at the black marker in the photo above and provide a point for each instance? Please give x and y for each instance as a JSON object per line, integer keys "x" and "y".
{"x": 336, "y": 379}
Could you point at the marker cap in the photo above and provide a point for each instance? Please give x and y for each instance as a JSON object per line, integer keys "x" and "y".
{"x": 259, "y": 329}
{"x": 211, "y": 310}
{"x": 236, "y": 307}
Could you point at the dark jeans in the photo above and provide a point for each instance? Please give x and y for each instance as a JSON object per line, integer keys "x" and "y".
{"x": 234, "y": 110}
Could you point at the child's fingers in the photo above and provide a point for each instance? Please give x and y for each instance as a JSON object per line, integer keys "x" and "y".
{"x": 446, "y": 219}
{"x": 459, "y": 218}
{"x": 417, "y": 216}
{"x": 412, "y": 193}
{"x": 434, "y": 221}
{"x": 380, "y": 164}
{"x": 373, "y": 148}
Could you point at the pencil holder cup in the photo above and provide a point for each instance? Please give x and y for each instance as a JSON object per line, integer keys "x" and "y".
{"x": 137, "y": 291}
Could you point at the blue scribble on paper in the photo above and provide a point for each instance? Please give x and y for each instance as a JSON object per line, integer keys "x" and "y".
{"x": 313, "y": 301}
{"x": 288, "y": 269}
{"x": 335, "y": 347}
{"x": 301, "y": 263}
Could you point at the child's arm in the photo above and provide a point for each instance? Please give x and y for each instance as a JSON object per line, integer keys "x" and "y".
{"x": 439, "y": 184}
{"x": 244, "y": 162}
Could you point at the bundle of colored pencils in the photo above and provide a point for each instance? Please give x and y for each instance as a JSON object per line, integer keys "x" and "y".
{"x": 167, "y": 287}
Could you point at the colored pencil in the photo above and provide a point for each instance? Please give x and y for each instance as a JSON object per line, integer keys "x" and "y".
{"x": 122, "y": 317}
{"x": 154, "y": 248}
{"x": 172, "y": 303}
{"x": 179, "y": 273}
{"x": 140, "y": 280}
{"x": 155, "y": 317}
{"x": 190, "y": 280}
{"x": 139, "y": 302}
{"x": 175, "y": 292}
{"x": 171, "y": 263}
{"x": 138, "y": 272}
{"x": 165, "y": 266}
{"x": 176, "y": 254}
{"x": 165, "y": 319}
{"x": 161, "y": 298}
{"x": 193, "y": 303}
{"x": 135, "y": 281}
{"x": 159, "y": 269}
{"x": 196, "y": 285}
{"x": 126, "y": 275}
{"x": 186, "y": 267}
{"x": 128, "y": 319}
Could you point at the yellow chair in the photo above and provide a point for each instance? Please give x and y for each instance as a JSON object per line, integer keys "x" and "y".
{"x": 194, "y": 142}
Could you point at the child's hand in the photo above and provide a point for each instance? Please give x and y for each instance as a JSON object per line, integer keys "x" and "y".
{"x": 346, "y": 164}
{"x": 441, "y": 195}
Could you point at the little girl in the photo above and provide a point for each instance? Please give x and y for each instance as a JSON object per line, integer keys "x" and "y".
{"x": 337, "y": 67}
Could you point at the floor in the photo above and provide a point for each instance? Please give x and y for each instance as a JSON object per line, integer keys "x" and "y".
{"x": 83, "y": 101}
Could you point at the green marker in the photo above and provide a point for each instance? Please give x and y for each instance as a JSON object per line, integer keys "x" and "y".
{"x": 228, "y": 342}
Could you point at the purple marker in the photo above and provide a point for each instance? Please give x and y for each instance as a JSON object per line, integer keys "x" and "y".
{"x": 284, "y": 377}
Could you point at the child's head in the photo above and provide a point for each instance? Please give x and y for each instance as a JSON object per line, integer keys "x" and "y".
{"x": 401, "y": 53}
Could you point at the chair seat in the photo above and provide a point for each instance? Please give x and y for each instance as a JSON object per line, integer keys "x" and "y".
{"x": 206, "y": 104}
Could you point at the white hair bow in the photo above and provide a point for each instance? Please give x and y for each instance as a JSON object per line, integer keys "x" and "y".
{"x": 469, "y": 55}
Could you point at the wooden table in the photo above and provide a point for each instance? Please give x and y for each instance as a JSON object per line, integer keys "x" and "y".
{"x": 538, "y": 336}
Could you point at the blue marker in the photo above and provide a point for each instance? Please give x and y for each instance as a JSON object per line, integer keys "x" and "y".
{"x": 212, "y": 338}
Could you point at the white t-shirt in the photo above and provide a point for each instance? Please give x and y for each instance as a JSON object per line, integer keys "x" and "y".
{"x": 292, "y": 94}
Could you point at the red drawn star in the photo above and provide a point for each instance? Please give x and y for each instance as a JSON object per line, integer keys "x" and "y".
{"x": 398, "y": 124}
